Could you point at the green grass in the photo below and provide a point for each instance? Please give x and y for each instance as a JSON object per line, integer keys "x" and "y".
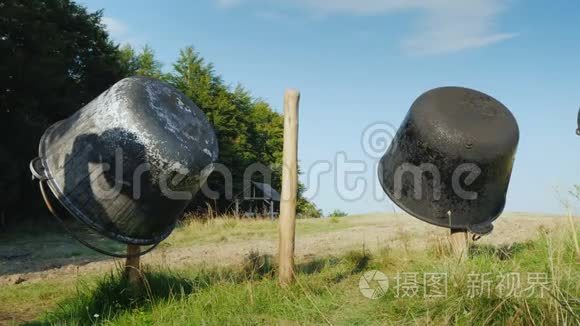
{"x": 229, "y": 229}
{"x": 326, "y": 291}
{"x": 25, "y": 301}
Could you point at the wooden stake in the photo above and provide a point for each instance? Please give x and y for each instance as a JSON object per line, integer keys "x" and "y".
{"x": 459, "y": 243}
{"x": 237, "y": 211}
{"x": 289, "y": 188}
{"x": 132, "y": 265}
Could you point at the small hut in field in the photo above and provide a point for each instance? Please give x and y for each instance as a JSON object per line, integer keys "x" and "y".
{"x": 263, "y": 200}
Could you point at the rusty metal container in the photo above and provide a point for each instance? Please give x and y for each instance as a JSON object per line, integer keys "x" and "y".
{"x": 128, "y": 163}
{"x": 451, "y": 160}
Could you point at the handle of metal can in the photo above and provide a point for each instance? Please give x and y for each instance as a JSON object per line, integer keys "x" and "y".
{"x": 476, "y": 237}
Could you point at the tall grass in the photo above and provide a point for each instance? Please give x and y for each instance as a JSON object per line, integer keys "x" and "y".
{"x": 327, "y": 291}
{"x": 229, "y": 228}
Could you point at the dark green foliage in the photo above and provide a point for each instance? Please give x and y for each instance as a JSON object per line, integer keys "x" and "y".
{"x": 128, "y": 60}
{"x": 308, "y": 209}
{"x": 54, "y": 58}
{"x": 248, "y": 130}
{"x": 113, "y": 295}
{"x": 338, "y": 213}
{"x": 230, "y": 112}
{"x": 147, "y": 65}
{"x": 140, "y": 64}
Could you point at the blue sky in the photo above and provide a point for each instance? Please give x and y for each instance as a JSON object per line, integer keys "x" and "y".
{"x": 358, "y": 62}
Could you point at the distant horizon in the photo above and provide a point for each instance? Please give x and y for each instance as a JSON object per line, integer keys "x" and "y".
{"x": 400, "y": 211}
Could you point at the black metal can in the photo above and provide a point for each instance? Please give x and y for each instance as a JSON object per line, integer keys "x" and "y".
{"x": 451, "y": 160}
{"x": 129, "y": 162}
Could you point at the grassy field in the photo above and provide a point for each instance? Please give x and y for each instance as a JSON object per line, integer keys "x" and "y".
{"x": 195, "y": 232}
{"x": 327, "y": 290}
{"x": 34, "y": 240}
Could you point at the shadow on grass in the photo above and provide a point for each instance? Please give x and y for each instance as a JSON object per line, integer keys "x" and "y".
{"x": 316, "y": 265}
{"x": 23, "y": 246}
{"x": 258, "y": 266}
{"x": 113, "y": 295}
{"x": 504, "y": 252}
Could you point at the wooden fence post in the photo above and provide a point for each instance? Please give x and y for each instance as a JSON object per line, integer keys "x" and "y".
{"x": 459, "y": 243}
{"x": 289, "y": 188}
{"x": 132, "y": 265}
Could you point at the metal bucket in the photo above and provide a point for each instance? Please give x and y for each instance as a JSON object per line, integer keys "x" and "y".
{"x": 451, "y": 160}
{"x": 129, "y": 162}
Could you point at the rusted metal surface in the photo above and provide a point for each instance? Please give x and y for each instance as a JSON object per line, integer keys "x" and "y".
{"x": 451, "y": 160}
{"x": 128, "y": 163}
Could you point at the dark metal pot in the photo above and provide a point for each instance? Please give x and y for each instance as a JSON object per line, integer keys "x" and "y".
{"x": 451, "y": 160}
{"x": 578, "y": 129}
{"x": 128, "y": 163}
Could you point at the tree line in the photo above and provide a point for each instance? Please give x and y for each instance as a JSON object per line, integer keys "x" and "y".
{"x": 56, "y": 56}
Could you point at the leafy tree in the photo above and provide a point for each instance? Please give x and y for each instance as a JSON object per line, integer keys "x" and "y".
{"x": 147, "y": 65}
{"x": 338, "y": 213}
{"x": 141, "y": 63}
{"x": 308, "y": 209}
{"x": 55, "y": 57}
{"x": 128, "y": 60}
{"x": 248, "y": 130}
{"x": 228, "y": 111}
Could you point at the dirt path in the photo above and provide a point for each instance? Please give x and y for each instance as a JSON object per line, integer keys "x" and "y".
{"x": 372, "y": 231}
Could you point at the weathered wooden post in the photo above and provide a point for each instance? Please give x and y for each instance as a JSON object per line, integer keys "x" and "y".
{"x": 459, "y": 243}
{"x": 132, "y": 264}
{"x": 289, "y": 188}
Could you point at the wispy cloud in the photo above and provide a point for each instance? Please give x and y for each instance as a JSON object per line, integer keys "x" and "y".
{"x": 451, "y": 26}
{"x": 116, "y": 28}
{"x": 274, "y": 16}
{"x": 228, "y": 3}
{"x": 121, "y": 33}
{"x": 443, "y": 26}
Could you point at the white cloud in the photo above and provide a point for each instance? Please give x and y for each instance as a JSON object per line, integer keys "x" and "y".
{"x": 451, "y": 26}
{"x": 121, "y": 33}
{"x": 115, "y": 27}
{"x": 443, "y": 26}
{"x": 274, "y": 17}
{"x": 360, "y": 7}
